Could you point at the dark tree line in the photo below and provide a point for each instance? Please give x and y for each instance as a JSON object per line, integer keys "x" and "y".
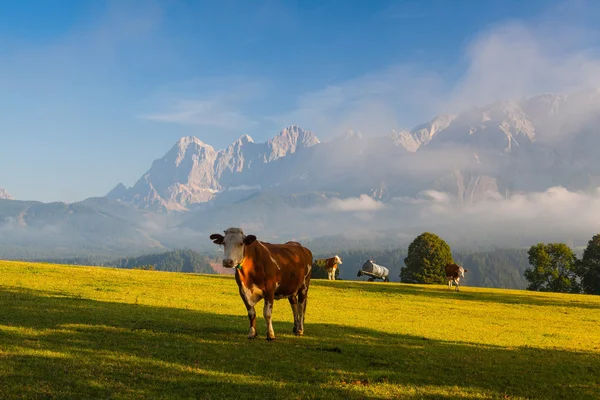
{"x": 553, "y": 267}
{"x": 499, "y": 268}
{"x": 556, "y": 268}
{"x": 172, "y": 261}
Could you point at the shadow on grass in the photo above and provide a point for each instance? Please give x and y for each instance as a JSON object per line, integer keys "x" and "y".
{"x": 65, "y": 347}
{"x": 437, "y": 292}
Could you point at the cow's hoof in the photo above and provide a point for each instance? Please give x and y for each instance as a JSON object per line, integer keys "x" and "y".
{"x": 270, "y": 338}
{"x": 299, "y": 333}
{"x": 252, "y": 333}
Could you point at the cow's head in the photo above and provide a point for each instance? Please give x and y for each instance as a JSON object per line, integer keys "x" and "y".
{"x": 461, "y": 272}
{"x": 233, "y": 243}
{"x": 337, "y": 259}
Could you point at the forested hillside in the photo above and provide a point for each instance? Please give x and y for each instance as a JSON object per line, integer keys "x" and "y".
{"x": 173, "y": 261}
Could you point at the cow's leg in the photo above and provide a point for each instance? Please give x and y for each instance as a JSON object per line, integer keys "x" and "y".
{"x": 294, "y": 303}
{"x": 449, "y": 283}
{"x": 333, "y": 274}
{"x": 267, "y": 312}
{"x": 329, "y": 274}
{"x": 249, "y": 302}
{"x": 302, "y": 299}
{"x": 456, "y": 281}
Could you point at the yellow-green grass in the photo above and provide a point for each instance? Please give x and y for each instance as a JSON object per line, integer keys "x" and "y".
{"x": 91, "y": 333}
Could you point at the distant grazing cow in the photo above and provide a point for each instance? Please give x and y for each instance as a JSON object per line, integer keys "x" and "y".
{"x": 331, "y": 265}
{"x": 453, "y": 274}
{"x": 270, "y": 272}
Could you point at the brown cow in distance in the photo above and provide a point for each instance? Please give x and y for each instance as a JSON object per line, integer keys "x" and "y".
{"x": 331, "y": 265}
{"x": 453, "y": 274}
{"x": 270, "y": 272}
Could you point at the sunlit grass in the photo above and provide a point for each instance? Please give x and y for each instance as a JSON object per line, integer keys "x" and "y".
{"x": 81, "y": 332}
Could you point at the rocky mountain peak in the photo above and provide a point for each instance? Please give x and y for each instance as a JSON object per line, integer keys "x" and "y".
{"x": 118, "y": 192}
{"x": 245, "y": 138}
{"x": 4, "y": 195}
{"x": 288, "y": 141}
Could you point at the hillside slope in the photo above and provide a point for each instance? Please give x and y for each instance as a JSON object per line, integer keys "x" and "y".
{"x": 80, "y": 332}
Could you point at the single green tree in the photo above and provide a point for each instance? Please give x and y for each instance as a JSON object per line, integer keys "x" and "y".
{"x": 588, "y": 268}
{"x": 554, "y": 267}
{"x": 427, "y": 256}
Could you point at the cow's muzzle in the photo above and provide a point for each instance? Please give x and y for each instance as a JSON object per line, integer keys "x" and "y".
{"x": 228, "y": 263}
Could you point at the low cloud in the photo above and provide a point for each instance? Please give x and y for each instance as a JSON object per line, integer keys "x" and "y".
{"x": 355, "y": 204}
{"x": 243, "y": 187}
{"x": 556, "y": 214}
{"x": 553, "y": 215}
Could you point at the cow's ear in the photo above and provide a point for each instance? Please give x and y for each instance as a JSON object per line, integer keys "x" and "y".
{"x": 249, "y": 239}
{"x": 216, "y": 238}
{"x": 466, "y": 270}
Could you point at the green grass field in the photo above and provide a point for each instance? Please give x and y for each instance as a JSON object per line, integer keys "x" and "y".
{"x": 95, "y": 333}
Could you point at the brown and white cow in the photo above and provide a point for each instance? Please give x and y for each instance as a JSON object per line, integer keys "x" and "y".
{"x": 270, "y": 272}
{"x": 453, "y": 274}
{"x": 331, "y": 265}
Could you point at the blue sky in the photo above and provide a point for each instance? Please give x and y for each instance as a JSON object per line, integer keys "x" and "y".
{"x": 92, "y": 92}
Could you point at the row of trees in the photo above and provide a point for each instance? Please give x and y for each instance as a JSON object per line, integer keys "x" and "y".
{"x": 554, "y": 267}
{"x": 172, "y": 261}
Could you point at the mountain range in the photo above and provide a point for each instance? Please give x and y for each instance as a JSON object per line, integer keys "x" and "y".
{"x": 297, "y": 186}
{"x": 485, "y": 152}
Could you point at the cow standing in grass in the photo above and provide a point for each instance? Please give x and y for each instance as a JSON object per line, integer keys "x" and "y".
{"x": 453, "y": 274}
{"x": 270, "y": 272}
{"x": 331, "y": 264}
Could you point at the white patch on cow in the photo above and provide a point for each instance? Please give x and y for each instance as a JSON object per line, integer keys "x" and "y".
{"x": 337, "y": 260}
{"x": 307, "y": 272}
{"x": 270, "y": 256}
{"x": 252, "y": 295}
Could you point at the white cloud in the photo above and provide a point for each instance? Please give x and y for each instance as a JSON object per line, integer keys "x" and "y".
{"x": 372, "y": 104}
{"x": 212, "y": 113}
{"x": 556, "y": 214}
{"x": 356, "y": 204}
{"x": 508, "y": 61}
{"x": 516, "y": 60}
{"x": 243, "y": 187}
{"x": 217, "y": 102}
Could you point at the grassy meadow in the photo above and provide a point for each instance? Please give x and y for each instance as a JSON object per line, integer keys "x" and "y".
{"x": 98, "y": 333}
